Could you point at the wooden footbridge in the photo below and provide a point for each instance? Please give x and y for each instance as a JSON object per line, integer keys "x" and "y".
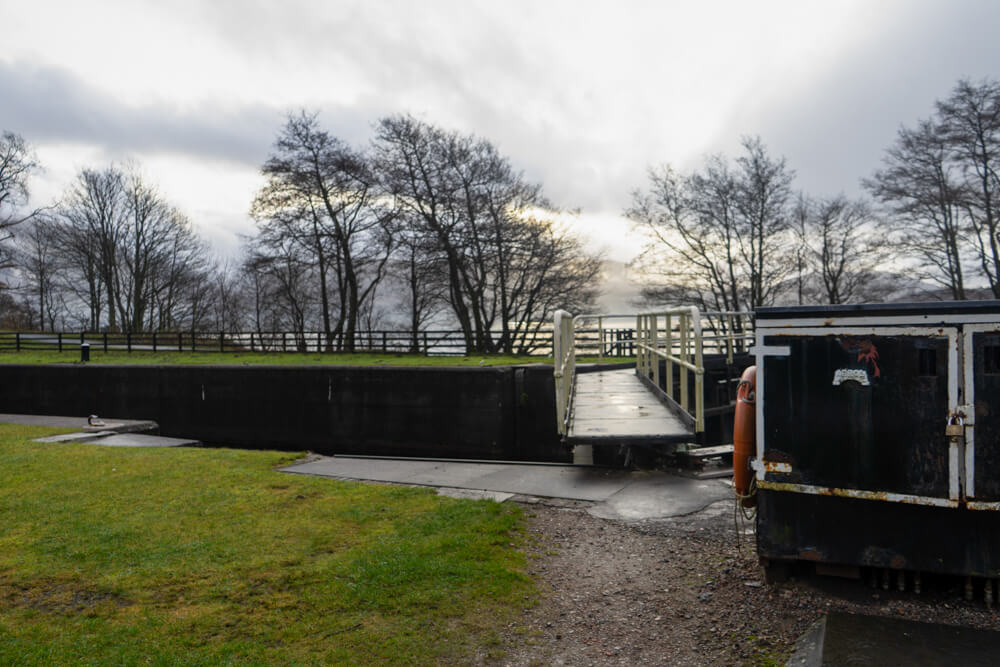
{"x": 660, "y": 401}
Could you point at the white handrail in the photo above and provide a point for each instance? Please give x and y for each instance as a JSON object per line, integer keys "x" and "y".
{"x": 651, "y": 346}
{"x": 674, "y": 334}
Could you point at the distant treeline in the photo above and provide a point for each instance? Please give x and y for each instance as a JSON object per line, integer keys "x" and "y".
{"x": 735, "y": 235}
{"x": 436, "y": 223}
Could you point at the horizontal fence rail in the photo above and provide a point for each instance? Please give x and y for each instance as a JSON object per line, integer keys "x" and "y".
{"x": 599, "y": 336}
{"x": 593, "y": 341}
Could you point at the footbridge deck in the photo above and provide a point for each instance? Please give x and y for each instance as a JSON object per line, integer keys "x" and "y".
{"x": 659, "y": 401}
{"x": 616, "y": 407}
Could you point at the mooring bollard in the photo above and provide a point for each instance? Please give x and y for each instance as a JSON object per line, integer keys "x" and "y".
{"x": 84, "y": 351}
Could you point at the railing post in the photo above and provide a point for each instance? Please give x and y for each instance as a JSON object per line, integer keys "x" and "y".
{"x": 684, "y": 357}
{"x": 654, "y": 336}
{"x": 699, "y": 375}
{"x": 600, "y": 338}
{"x": 668, "y": 366}
{"x": 639, "y": 358}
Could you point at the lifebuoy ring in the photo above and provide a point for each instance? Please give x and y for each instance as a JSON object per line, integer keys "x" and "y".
{"x": 744, "y": 435}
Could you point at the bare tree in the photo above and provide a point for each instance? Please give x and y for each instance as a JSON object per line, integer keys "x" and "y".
{"x": 764, "y": 188}
{"x": 38, "y": 261}
{"x": 969, "y": 123}
{"x": 725, "y": 229}
{"x": 17, "y": 163}
{"x": 421, "y": 276}
{"x": 843, "y": 249}
{"x": 132, "y": 250}
{"x": 321, "y": 195}
{"x": 488, "y": 227}
{"x": 922, "y": 194}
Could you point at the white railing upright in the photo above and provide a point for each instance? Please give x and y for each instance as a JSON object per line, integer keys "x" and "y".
{"x": 564, "y": 362}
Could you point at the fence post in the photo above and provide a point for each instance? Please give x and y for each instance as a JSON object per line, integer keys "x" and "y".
{"x": 154, "y": 341}
{"x": 60, "y": 341}
{"x": 194, "y": 341}
{"x": 180, "y": 341}
{"x": 17, "y": 340}
{"x": 600, "y": 338}
{"x": 251, "y": 342}
{"x": 222, "y": 342}
{"x": 284, "y": 342}
{"x": 427, "y": 349}
{"x": 105, "y": 342}
{"x": 128, "y": 342}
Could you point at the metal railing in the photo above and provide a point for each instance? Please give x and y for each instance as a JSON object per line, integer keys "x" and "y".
{"x": 679, "y": 336}
{"x": 679, "y": 345}
{"x": 564, "y": 365}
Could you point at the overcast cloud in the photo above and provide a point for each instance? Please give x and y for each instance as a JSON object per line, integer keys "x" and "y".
{"x": 583, "y": 96}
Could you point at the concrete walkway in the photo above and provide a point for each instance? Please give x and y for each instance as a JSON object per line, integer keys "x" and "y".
{"x": 612, "y": 494}
{"x": 107, "y": 433}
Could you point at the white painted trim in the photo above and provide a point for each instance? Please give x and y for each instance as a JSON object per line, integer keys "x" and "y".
{"x": 761, "y": 351}
{"x": 858, "y": 493}
{"x": 968, "y": 368}
{"x": 942, "y": 320}
{"x": 983, "y": 505}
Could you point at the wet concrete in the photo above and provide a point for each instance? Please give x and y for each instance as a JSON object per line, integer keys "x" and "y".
{"x": 614, "y": 494}
{"x": 854, "y": 639}
{"x": 57, "y": 421}
{"x": 140, "y": 440}
{"x": 106, "y": 432}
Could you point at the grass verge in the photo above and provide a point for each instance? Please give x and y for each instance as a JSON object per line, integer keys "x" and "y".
{"x": 276, "y": 359}
{"x": 191, "y": 556}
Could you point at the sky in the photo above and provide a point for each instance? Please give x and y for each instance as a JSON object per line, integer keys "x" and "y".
{"x": 583, "y": 97}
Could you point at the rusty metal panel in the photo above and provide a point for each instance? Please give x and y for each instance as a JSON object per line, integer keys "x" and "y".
{"x": 858, "y": 412}
{"x": 870, "y": 533}
{"x": 986, "y": 379}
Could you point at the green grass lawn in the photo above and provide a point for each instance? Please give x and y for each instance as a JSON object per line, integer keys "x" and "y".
{"x": 210, "y": 556}
{"x": 277, "y": 358}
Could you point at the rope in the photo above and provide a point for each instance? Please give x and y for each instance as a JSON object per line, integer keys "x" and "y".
{"x": 743, "y": 515}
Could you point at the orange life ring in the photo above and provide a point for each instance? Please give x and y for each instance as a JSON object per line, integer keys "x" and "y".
{"x": 745, "y": 434}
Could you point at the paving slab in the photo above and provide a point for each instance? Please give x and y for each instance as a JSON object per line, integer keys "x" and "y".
{"x": 614, "y": 494}
{"x": 57, "y": 421}
{"x": 473, "y": 494}
{"x": 140, "y": 440}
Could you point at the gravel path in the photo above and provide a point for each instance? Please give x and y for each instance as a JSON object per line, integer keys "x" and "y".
{"x": 684, "y": 592}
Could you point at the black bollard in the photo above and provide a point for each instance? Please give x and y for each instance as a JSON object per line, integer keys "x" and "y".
{"x": 84, "y": 351}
